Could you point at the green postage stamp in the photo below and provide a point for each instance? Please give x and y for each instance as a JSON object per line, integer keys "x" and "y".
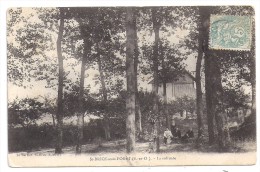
{"x": 230, "y": 32}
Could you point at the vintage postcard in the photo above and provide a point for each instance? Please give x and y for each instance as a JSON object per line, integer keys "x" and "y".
{"x": 131, "y": 86}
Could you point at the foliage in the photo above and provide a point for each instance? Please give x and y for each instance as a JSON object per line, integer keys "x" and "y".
{"x": 172, "y": 53}
{"x": 238, "y": 67}
{"x": 24, "y": 112}
{"x": 236, "y": 99}
{"x": 28, "y": 46}
{"x": 182, "y": 103}
{"x": 146, "y": 105}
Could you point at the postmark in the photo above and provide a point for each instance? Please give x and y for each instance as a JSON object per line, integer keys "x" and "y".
{"x": 229, "y": 32}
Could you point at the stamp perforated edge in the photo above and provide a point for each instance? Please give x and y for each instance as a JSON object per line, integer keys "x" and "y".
{"x": 230, "y": 49}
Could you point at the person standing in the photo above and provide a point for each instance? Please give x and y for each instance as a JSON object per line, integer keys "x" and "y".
{"x": 167, "y": 136}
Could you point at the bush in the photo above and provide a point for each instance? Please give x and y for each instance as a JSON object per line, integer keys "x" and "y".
{"x": 35, "y": 137}
{"x": 29, "y": 138}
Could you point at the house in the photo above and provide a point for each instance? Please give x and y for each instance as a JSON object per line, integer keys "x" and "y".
{"x": 182, "y": 86}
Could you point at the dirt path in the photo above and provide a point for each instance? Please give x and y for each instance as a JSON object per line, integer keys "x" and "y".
{"x": 118, "y": 146}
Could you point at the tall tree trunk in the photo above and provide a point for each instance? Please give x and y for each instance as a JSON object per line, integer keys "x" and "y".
{"x": 80, "y": 114}
{"x": 209, "y": 103}
{"x": 253, "y": 108}
{"x": 164, "y": 82}
{"x": 53, "y": 120}
{"x": 130, "y": 74}
{"x": 138, "y": 114}
{"x": 220, "y": 114}
{"x": 198, "y": 82}
{"x": 199, "y": 97}
{"x": 251, "y": 120}
{"x": 166, "y": 112}
{"x": 252, "y": 117}
{"x": 204, "y": 16}
{"x": 253, "y": 78}
{"x": 214, "y": 90}
{"x": 253, "y": 75}
{"x": 59, "y": 115}
{"x": 106, "y": 125}
{"x": 156, "y": 26}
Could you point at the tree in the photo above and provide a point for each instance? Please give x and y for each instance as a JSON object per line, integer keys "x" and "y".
{"x": 220, "y": 114}
{"x": 156, "y": 27}
{"x": 218, "y": 63}
{"x": 59, "y": 115}
{"x": 199, "y": 102}
{"x": 49, "y": 107}
{"x": 24, "y": 112}
{"x": 99, "y": 34}
{"x": 172, "y": 68}
{"x": 204, "y": 13}
{"x": 96, "y": 30}
{"x": 238, "y": 67}
{"x": 106, "y": 39}
{"x": 86, "y": 53}
{"x": 27, "y": 46}
{"x": 214, "y": 89}
{"x": 75, "y": 33}
{"x": 35, "y": 41}
{"x": 196, "y": 44}
{"x": 138, "y": 114}
{"x": 171, "y": 57}
{"x": 172, "y": 53}
{"x": 130, "y": 74}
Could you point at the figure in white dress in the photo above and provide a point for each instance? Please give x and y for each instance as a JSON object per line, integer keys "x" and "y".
{"x": 167, "y": 136}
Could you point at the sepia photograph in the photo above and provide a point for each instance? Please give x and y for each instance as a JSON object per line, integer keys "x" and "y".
{"x": 131, "y": 86}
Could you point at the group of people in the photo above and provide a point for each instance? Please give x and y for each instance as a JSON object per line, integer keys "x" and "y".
{"x": 175, "y": 133}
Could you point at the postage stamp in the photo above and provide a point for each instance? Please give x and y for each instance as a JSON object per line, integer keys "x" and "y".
{"x": 230, "y": 32}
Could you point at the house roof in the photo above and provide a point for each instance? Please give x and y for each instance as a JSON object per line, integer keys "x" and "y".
{"x": 187, "y": 73}
{"x": 190, "y": 75}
